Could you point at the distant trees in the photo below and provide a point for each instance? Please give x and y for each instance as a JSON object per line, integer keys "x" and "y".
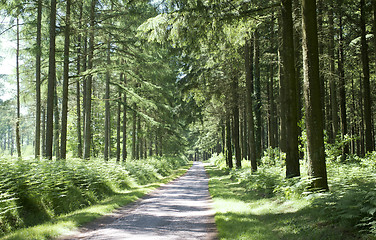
{"x": 82, "y": 123}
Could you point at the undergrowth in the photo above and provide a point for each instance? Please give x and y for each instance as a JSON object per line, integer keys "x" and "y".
{"x": 350, "y": 204}
{"x": 35, "y": 191}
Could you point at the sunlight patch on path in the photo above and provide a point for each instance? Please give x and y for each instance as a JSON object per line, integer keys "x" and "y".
{"x": 179, "y": 210}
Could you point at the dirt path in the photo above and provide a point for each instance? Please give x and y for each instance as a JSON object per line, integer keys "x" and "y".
{"x": 181, "y": 209}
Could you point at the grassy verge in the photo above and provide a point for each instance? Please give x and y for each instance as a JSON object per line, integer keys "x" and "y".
{"x": 267, "y": 206}
{"x": 118, "y": 193}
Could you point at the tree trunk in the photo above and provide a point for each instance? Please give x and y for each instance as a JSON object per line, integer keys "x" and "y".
{"x": 78, "y": 91}
{"x": 18, "y": 143}
{"x": 89, "y": 83}
{"x": 38, "y": 79}
{"x": 118, "y": 126}
{"x": 248, "y": 55}
{"x": 64, "y": 110}
{"x": 51, "y": 82}
{"x": 314, "y": 124}
{"x": 235, "y": 112}
{"x": 366, "y": 82}
{"x": 124, "y": 121}
{"x": 288, "y": 86}
{"x": 257, "y": 89}
{"x": 342, "y": 89}
{"x": 43, "y": 132}
{"x": 56, "y": 125}
{"x": 107, "y": 105}
{"x": 272, "y": 121}
{"x": 134, "y": 132}
{"x": 332, "y": 82}
{"x": 228, "y": 141}
{"x": 138, "y": 136}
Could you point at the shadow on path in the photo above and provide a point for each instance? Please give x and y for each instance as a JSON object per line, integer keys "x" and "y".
{"x": 181, "y": 209}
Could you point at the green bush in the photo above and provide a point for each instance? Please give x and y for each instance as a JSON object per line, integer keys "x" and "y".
{"x": 33, "y": 191}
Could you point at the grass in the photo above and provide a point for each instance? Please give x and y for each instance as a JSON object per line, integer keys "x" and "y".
{"x": 51, "y": 225}
{"x": 266, "y": 206}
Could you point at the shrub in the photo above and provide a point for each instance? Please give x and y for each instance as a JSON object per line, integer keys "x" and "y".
{"x": 33, "y": 191}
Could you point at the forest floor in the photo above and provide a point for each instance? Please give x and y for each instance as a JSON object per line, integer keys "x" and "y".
{"x": 243, "y": 213}
{"x": 181, "y": 209}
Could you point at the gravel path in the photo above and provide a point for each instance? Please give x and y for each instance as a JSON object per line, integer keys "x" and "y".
{"x": 181, "y": 209}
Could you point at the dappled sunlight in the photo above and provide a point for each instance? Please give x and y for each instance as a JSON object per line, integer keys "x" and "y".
{"x": 178, "y": 210}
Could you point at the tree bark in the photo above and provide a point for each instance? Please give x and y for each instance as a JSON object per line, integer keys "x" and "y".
{"x": 107, "y": 105}
{"x": 78, "y": 91}
{"x": 228, "y": 141}
{"x": 56, "y": 125}
{"x": 18, "y": 143}
{"x": 272, "y": 121}
{"x": 332, "y": 82}
{"x": 235, "y": 112}
{"x": 44, "y": 132}
{"x": 118, "y": 126}
{"x": 288, "y": 86}
{"x": 64, "y": 110}
{"x": 366, "y": 82}
{"x": 257, "y": 88}
{"x": 134, "y": 132}
{"x": 51, "y": 82}
{"x": 249, "y": 82}
{"x": 124, "y": 121}
{"x": 342, "y": 89}
{"x": 314, "y": 124}
{"x": 38, "y": 79}
{"x": 89, "y": 83}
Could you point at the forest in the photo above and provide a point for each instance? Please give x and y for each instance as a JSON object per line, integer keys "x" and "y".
{"x": 277, "y": 94}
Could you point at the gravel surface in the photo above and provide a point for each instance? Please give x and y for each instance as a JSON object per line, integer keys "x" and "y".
{"x": 181, "y": 209}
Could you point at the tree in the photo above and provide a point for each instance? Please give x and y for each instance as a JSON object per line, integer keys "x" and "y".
{"x": 64, "y": 110}
{"x": 18, "y": 137}
{"x": 51, "y": 81}
{"x": 38, "y": 79}
{"x": 249, "y": 102}
{"x": 89, "y": 80}
{"x": 313, "y": 109}
{"x": 370, "y": 144}
{"x": 288, "y": 87}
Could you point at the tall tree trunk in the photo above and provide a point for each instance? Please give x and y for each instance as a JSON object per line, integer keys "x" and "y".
{"x": 235, "y": 112}
{"x": 332, "y": 82}
{"x": 366, "y": 82}
{"x": 257, "y": 89}
{"x": 18, "y": 143}
{"x": 138, "y": 136}
{"x": 64, "y": 110}
{"x": 272, "y": 108}
{"x": 249, "y": 82}
{"x": 245, "y": 130}
{"x": 56, "y": 125}
{"x": 321, "y": 66}
{"x": 43, "y": 132}
{"x": 78, "y": 91}
{"x": 118, "y": 126}
{"x": 314, "y": 124}
{"x": 124, "y": 121}
{"x": 107, "y": 105}
{"x": 228, "y": 141}
{"x": 288, "y": 86}
{"x": 342, "y": 89}
{"x": 51, "y": 82}
{"x": 89, "y": 83}
{"x": 38, "y": 79}
{"x": 134, "y": 132}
